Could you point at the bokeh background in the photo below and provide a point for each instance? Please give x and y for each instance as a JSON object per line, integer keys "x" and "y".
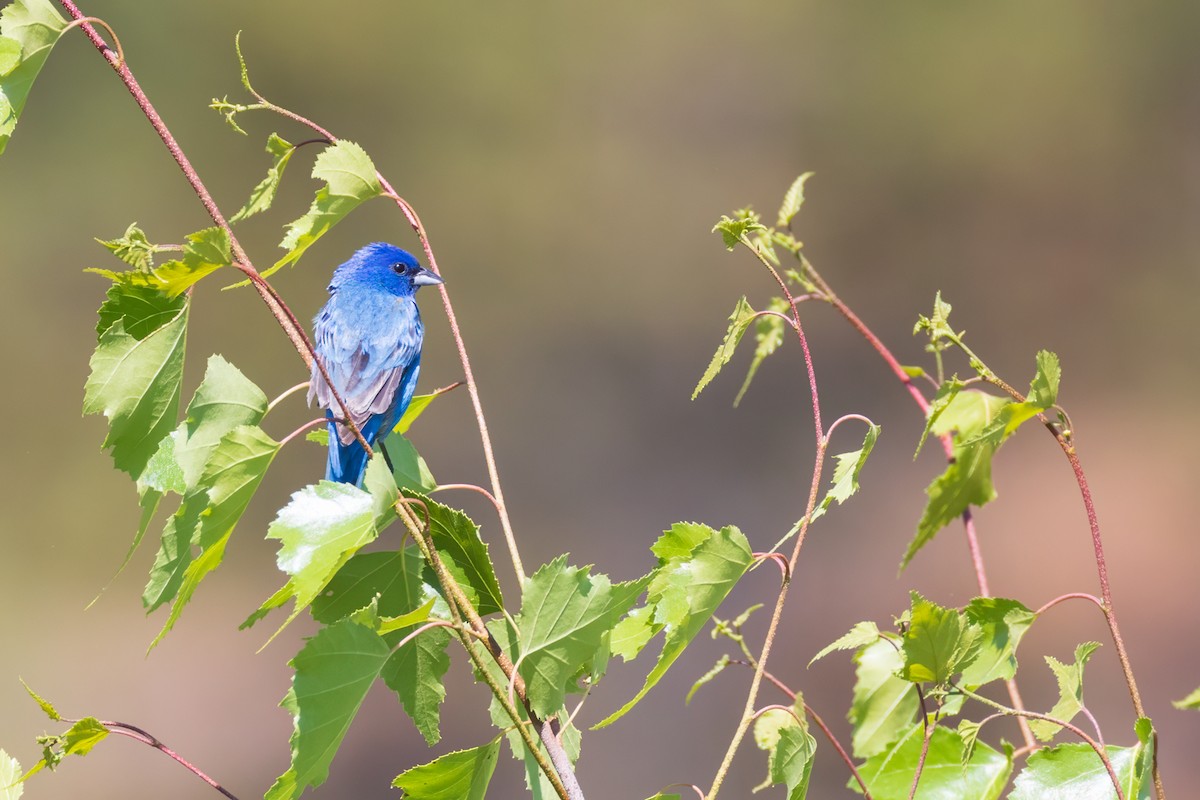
{"x": 1038, "y": 163}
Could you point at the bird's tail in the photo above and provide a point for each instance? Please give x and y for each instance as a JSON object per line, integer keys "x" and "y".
{"x": 347, "y": 463}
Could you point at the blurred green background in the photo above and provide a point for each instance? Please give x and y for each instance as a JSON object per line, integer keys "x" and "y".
{"x": 1038, "y": 163}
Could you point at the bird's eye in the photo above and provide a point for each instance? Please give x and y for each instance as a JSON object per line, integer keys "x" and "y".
{"x": 399, "y": 268}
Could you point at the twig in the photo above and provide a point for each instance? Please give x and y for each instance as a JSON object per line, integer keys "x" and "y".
{"x": 286, "y": 319}
{"x": 137, "y": 734}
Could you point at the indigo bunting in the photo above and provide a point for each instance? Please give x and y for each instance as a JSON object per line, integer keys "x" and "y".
{"x": 368, "y": 336}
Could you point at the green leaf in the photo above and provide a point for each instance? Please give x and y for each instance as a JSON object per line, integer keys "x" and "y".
{"x": 633, "y": 633}
{"x": 941, "y": 401}
{"x": 1071, "y": 771}
{"x": 207, "y": 518}
{"x": 29, "y": 28}
{"x": 394, "y": 577}
{"x": 845, "y": 474}
{"x": 569, "y": 736}
{"x": 204, "y": 252}
{"x": 967, "y": 480}
{"x": 938, "y": 642}
{"x": 320, "y": 529}
{"x": 409, "y": 470}
{"x": 334, "y": 670}
{"x": 792, "y": 201}
{"x": 11, "y": 786}
{"x": 226, "y": 399}
{"x": 1191, "y": 702}
{"x": 565, "y": 613}
{"x": 1070, "y": 691}
{"x": 722, "y": 662}
{"x": 861, "y": 635}
{"x": 791, "y": 759}
{"x": 136, "y": 373}
{"x": 133, "y": 248}
{"x": 461, "y": 775}
{"x": 263, "y": 195}
{"x": 883, "y": 705}
{"x": 415, "y": 673}
{"x": 1002, "y": 624}
{"x": 889, "y": 773}
{"x": 938, "y": 324}
{"x": 968, "y": 731}
{"x": 45, "y": 704}
{"x": 457, "y": 540}
{"x": 685, "y": 590}
{"x": 735, "y": 230}
{"x": 768, "y": 332}
{"x": 1043, "y": 390}
{"x": 78, "y": 740}
{"x": 739, "y": 321}
{"x": 415, "y": 408}
{"x": 350, "y": 179}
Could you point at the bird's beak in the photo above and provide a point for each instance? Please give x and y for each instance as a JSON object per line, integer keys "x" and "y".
{"x": 425, "y": 277}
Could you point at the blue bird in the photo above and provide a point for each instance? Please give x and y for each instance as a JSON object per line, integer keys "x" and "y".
{"x": 368, "y": 336}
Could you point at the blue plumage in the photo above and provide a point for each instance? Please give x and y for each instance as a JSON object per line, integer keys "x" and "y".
{"x": 368, "y": 336}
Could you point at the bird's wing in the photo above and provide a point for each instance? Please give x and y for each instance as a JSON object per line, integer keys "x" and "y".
{"x": 368, "y": 345}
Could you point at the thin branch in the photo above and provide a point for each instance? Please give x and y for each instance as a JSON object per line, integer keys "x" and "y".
{"x": 846, "y": 418}
{"x": 929, "y": 729}
{"x": 310, "y": 424}
{"x": 814, "y": 491}
{"x": 1099, "y": 750}
{"x": 286, "y": 394}
{"x": 145, "y": 737}
{"x": 472, "y": 388}
{"x": 1071, "y": 596}
{"x": 833, "y": 740}
{"x": 286, "y": 319}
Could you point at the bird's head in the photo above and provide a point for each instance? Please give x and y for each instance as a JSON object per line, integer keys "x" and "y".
{"x": 386, "y": 267}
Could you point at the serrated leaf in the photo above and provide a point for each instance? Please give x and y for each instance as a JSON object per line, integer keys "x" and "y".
{"x": 941, "y": 401}
{"x": 739, "y": 321}
{"x": 1191, "y": 702}
{"x": 734, "y": 230}
{"x": 861, "y": 635}
{"x": 967, "y": 481}
{"x": 565, "y": 613}
{"x": 569, "y": 736}
{"x": 29, "y": 30}
{"x": 792, "y": 201}
{"x": 1043, "y": 390}
{"x": 684, "y": 591}
{"x": 634, "y": 632}
{"x": 791, "y": 759}
{"x": 968, "y": 731}
{"x": 78, "y": 740}
{"x": 350, "y": 179}
{"x": 204, "y": 252}
{"x": 415, "y": 673}
{"x": 394, "y": 577}
{"x": 883, "y": 705}
{"x": 11, "y": 786}
{"x": 714, "y": 671}
{"x": 320, "y": 528}
{"x": 46, "y": 706}
{"x": 1002, "y": 624}
{"x": 132, "y": 247}
{"x": 1074, "y": 772}
{"x": 889, "y": 773}
{"x": 207, "y": 517}
{"x": 937, "y": 643}
{"x": 937, "y": 324}
{"x": 845, "y": 473}
{"x": 1070, "y": 691}
{"x": 461, "y": 775}
{"x": 768, "y": 333}
{"x": 334, "y": 670}
{"x": 136, "y": 373}
{"x": 263, "y": 195}
{"x": 457, "y": 540}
